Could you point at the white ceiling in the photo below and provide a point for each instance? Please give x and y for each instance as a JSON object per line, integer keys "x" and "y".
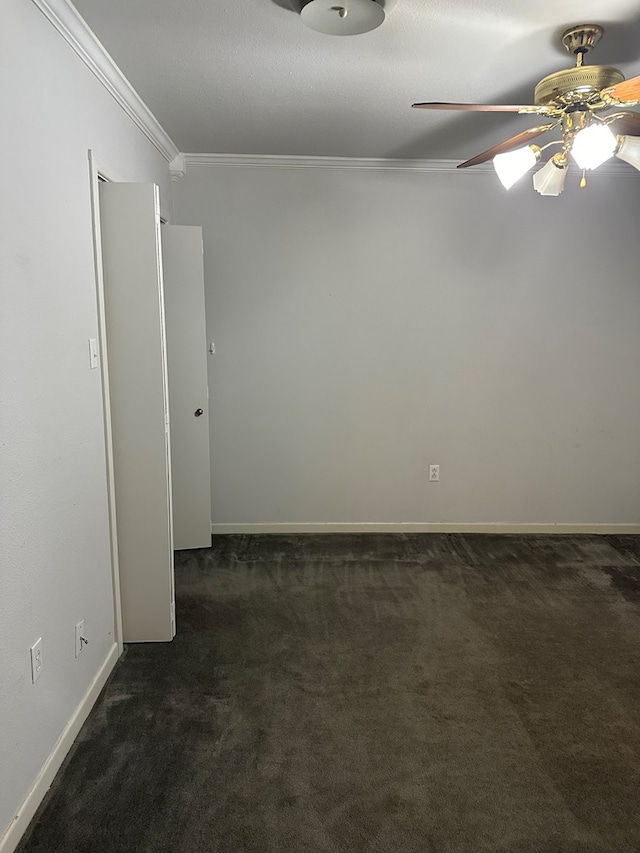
{"x": 247, "y": 77}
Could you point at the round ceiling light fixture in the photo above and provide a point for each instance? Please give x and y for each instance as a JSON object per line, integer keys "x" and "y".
{"x": 342, "y": 17}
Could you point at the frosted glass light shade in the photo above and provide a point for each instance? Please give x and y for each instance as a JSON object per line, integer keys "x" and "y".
{"x": 550, "y": 179}
{"x": 342, "y": 18}
{"x": 511, "y": 166}
{"x": 593, "y": 146}
{"x": 629, "y": 150}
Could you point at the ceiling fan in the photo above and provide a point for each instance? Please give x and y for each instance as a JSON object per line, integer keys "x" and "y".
{"x": 579, "y": 102}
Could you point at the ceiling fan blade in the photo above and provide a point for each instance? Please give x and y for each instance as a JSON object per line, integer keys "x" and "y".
{"x": 624, "y": 93}
{"x": 509, "y": 144}
{"x": 626, "y": 124}
{"x": 479, "y": 108}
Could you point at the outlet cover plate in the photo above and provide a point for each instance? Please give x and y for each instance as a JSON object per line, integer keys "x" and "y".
{"x": 36, "y": 660}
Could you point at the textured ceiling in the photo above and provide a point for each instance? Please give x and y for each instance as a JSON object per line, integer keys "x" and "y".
{"x": 247, "y": 77}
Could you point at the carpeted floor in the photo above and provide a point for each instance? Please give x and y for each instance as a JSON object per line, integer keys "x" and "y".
{"x": 387, "y": 694}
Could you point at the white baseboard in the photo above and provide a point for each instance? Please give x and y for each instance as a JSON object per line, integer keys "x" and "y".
{"x": 27, "y": 810}
{"x": 422, "y": 527}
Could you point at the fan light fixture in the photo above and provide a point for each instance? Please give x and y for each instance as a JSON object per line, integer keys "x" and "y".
{"x": 629, "y": 150}
{"x": 512, "y": 165}
{"x": 550, "y": 179}
{"x": 593, "y": 146}
{"x": 579, "y": 102}
{"x": 342, "y": 17}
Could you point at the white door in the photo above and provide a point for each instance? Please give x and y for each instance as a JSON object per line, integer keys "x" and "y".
{"x": 135, "y": 332}
{"x": 183, "y": 272}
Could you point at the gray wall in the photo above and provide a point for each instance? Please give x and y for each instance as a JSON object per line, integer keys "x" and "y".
{"x": 54, "y": 541}
{"x": 369, "y": 323}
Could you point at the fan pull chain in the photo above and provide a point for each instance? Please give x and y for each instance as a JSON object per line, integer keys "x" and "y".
{"x": 583, "y": 181}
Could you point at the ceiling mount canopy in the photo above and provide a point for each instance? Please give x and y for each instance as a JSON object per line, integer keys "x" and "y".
{"x": 580, "y": 103}
{"x": 583, "y": 38}
{"x": 343, "y": 17}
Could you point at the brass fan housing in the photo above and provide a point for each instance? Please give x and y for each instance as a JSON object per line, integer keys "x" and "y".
{"x": 581, "y": 85}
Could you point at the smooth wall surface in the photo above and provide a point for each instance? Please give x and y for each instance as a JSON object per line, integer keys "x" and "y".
{"x": 370, "y": 323}
{"x": 55, "y": 563}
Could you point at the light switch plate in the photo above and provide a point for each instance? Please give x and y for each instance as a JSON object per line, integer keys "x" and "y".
{"x": 79, "y": 637}
{"x": 94, "y": 358}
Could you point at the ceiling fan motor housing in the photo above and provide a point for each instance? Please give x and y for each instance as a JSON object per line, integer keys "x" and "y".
{"x": 580, "y": 85}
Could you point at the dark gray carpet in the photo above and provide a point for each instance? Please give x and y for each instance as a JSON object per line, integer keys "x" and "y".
{"x": 388, "y": 694}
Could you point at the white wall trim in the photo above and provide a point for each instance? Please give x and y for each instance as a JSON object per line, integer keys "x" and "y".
{"x": 106, "y": 398}
{"x": 372, "y": 164}
{"x": 612, "y": 169}
{"x": 177, "y": 167}
{"x": 423, "y": 527}
{"x": 27, "y": 810}
{"x": 72, "y": 27}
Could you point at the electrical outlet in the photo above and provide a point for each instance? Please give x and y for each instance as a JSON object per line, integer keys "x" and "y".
{"x": 36, "y": 660}
{"x": 80, "y": 640}
{"x": 434, "y": 473}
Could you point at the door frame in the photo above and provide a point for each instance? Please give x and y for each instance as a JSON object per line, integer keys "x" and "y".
{"x": 96, "y": 174}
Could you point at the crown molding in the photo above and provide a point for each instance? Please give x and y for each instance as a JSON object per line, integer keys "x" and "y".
{"x": 72, "y": 27}
{"x": 367, "y": 163}
{"x": 177, "y": 167}
{"x": 613, "y": 169}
